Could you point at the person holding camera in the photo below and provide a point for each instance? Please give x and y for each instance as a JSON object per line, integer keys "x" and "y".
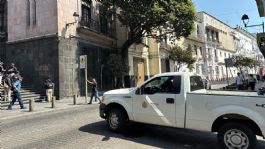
{"x": 16, "y": 85}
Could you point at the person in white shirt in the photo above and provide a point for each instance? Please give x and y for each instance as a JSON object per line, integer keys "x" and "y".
{"x": 239, "y": 81}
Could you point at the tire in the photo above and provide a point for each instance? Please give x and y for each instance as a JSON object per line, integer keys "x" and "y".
{"x": 116, "y": 120}
{"x": 236, "y": 136}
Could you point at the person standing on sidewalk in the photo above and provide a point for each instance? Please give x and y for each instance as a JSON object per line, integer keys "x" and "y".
{"x": 16, "y": 85}
{"x": 252, "y": 81}
{"x": 239, "y": 81}
{"x": 94, "y": 90}
{"x": 49, "y": 89}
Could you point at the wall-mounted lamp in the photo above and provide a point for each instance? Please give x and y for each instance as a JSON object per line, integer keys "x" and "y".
{"x": 245, "y": 20}
{"x": 76, "y": 15}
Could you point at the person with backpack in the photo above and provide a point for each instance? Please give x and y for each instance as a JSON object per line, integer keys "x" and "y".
{"x": 16, "y": 85}
{"x": 94, "y": 90}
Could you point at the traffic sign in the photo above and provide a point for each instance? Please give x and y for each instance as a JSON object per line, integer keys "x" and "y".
{"x": 83, "y": 61}
{"x": 229, "y": 62}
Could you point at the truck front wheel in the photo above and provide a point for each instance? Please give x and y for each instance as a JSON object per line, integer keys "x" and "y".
{"x": 236, "y": 136}
{"x": 116, "y": 120}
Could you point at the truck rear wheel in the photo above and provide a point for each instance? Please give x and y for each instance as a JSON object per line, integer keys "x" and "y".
{"x": 236, "y": 136}
{"x": 116, "y": 120}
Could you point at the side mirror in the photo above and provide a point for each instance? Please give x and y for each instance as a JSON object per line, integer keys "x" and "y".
{"x": 138, "y": 91}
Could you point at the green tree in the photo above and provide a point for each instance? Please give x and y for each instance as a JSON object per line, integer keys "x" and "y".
{"x": 182, "y": 57}
{"x": 144, "y": 18}
{"x": 242, "y": 62}
{"x": 116, "y": 68}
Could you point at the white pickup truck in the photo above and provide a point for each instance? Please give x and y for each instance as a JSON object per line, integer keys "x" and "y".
{"x": 180, "y": 100}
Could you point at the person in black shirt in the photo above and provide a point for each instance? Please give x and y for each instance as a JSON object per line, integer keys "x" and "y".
{"x": 94, "y": 90}
{"x": 49, "y": 86}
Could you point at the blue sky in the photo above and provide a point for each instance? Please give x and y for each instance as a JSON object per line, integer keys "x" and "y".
{"x": 231, "y": 11}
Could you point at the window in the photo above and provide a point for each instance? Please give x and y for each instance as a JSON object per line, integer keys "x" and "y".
{"x": 195, "y": 49}
{"x": 165, "y": 84}
{"x": 215, "y": 53}
{"x": 201, "y": 51}
{"x": 198, "y": 30}
{"x": 86, "y": 12}
{"x": 31, "y": 13}
{"x": 189, "y": 46}
{"x": 28, "y": 12}
{"x": 217, "y": 37}
{"x": 196, "y": 83}
{"x": 3, "y": 16}
{"x": 34, "y": 12}
{"x": 213, "y": 37}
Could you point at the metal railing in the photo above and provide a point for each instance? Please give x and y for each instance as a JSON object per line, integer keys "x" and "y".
{"x": 94, "y": 25}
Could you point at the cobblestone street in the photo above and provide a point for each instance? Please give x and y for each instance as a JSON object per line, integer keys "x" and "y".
{"x": 80, "y": 127}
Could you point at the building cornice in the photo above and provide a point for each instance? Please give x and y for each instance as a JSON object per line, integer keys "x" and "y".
{"x": 32, "y": 38}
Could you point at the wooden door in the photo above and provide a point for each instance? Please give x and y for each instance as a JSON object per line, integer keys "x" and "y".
{"x": 140, "y": 73}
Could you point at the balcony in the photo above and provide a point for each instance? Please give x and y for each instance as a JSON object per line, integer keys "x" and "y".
{"x": 214, "y": 44}
{"x": 96, "y": 26}
{"x": 198, "y": 38}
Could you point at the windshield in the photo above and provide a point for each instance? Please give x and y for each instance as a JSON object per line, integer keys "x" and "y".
{"x": 196, "y": 83}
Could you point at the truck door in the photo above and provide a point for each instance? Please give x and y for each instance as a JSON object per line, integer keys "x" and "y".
{"x": 155, "y": 101}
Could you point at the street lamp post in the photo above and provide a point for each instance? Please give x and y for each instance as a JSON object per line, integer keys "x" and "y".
{"x": 245, "y": 20}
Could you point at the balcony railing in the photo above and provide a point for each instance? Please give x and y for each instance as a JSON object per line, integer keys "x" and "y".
{"x": 96, "y": 26}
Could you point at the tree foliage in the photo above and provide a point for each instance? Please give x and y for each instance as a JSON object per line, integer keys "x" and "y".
{"x": 242, "y": 61}
{"x": 116, "y": 68}
{"x": 144, "y": 18}
{"x": 182, "y": 57}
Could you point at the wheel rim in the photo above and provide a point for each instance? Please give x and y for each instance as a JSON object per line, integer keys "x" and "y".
{"x": 113, "y": 120}
{"x": 236, "y": 139}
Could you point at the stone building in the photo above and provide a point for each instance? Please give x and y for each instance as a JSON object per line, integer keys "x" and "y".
{"x": 47, "y": 37}
{"x": 3, "y": 28}
{"x": 246, "y": 45}
{"x": 218, "y": 45}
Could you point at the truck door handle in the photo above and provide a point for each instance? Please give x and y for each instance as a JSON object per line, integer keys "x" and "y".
{"x": 170, "y": 100}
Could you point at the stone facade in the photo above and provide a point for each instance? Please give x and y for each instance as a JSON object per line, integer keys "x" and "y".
{"x": 36, "y": 60}
{"x": 31, "y": 18}
{"x": 46, "y": 40}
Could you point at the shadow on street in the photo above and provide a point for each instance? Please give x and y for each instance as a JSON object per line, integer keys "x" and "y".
{"x": 157, "y": 136}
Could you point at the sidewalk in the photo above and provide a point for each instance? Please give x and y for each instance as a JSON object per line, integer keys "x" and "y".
{"x": 218, "y": 86}
{"x": 41, "y": 107}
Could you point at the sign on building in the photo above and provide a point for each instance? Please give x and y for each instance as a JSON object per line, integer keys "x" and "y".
{"x": 83, "y": 61}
